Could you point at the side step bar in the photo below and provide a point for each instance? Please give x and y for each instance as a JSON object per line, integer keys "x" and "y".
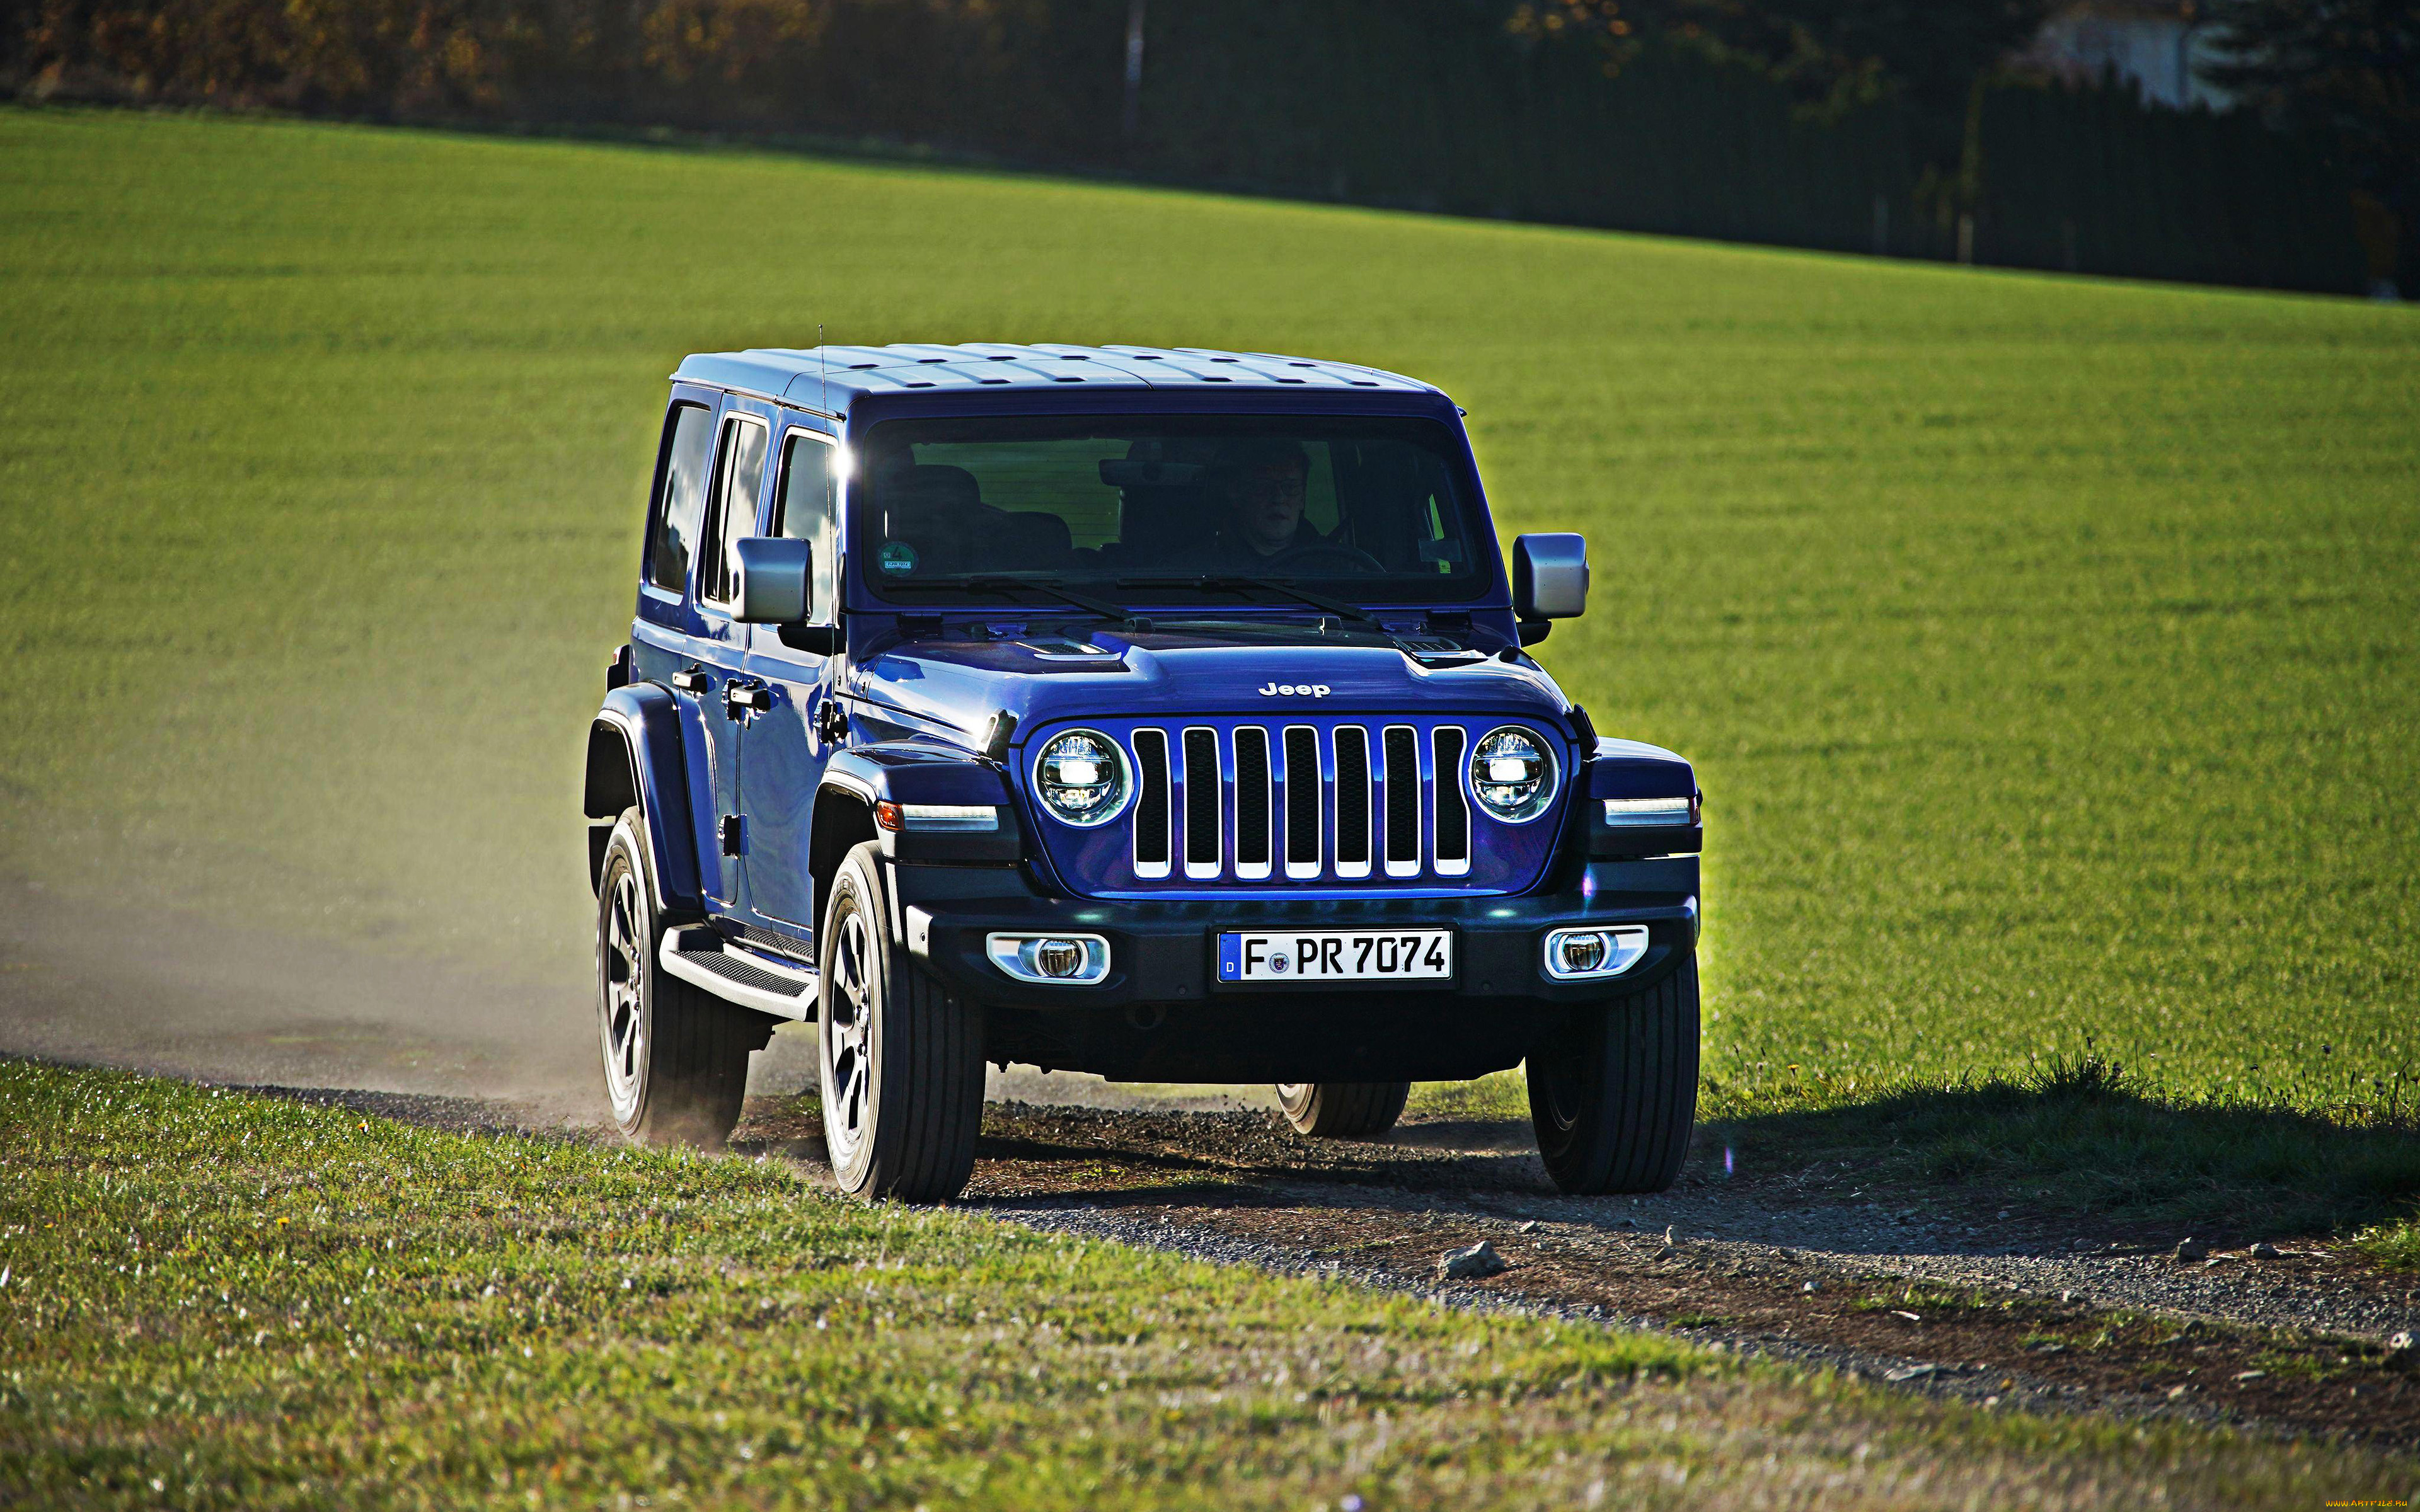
{"x": 696, "y": 956}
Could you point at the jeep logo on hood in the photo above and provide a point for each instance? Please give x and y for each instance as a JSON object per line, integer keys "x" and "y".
{"x": 1307, "y": 690}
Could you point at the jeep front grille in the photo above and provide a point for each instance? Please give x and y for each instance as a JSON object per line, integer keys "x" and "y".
{"x": 1333, "y": 802}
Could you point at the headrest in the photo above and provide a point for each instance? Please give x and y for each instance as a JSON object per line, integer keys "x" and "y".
{"x": 936, "y": 489}
{"x": 1037, "y": 531}
{"x": 1149, "y": 465}
{"x": 1262, "y": 452}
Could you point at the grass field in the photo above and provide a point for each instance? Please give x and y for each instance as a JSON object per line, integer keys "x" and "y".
{"x": 216, "y": 1300}
{"x": 2046, "y": 646}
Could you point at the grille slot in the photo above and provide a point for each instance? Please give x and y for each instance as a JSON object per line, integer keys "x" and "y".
{"x": 1303, "y": 826}
{"x": 1452, "y": 820}
{"x": 1152, "y": 839}
{"x": 1403, "y": 778}
{"x": 1201, "y": 803}
{"x": 1352, "y": 801}
{"x": 1252, "y": 836}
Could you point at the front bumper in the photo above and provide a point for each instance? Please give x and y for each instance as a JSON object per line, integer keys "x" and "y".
{"x": 1163, "y": 953}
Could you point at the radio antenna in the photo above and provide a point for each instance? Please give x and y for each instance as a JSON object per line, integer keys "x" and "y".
{"x": 823, "y": 372}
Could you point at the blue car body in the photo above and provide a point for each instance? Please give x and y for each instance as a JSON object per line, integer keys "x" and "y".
{"x": 759, "y": 754}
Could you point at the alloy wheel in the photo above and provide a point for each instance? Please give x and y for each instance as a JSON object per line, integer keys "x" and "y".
{"x": 621, "y": 973}
{"x": 845, "y": 1042}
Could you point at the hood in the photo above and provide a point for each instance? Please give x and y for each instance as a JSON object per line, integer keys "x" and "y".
{"x": 952, "y": 688}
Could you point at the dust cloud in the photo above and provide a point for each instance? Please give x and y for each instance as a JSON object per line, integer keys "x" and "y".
{"x": 186, "y": 996}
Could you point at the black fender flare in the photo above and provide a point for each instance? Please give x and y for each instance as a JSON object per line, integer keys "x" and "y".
{"x": 636, "y": 756}
{"x": 900, "y": 772}
{"x": 859, "y": 781}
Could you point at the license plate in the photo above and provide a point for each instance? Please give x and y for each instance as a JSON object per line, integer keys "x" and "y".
{"x": 1338, "y": 955}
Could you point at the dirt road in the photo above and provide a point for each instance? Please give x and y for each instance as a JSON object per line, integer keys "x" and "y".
{"x": 1935, "y": 1293}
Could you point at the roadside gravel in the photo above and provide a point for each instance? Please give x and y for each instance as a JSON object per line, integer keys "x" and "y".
{"x": 1487, "y": 1171}
{"x": 1165, "y": 1231}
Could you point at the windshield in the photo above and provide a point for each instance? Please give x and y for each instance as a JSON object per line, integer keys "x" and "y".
{"x": 1158, "y": 508}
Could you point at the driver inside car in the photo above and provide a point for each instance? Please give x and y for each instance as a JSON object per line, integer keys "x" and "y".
{"x": 1264, "y": 522}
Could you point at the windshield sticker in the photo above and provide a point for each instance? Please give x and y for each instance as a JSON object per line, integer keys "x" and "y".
{"x": 898, "y": 558}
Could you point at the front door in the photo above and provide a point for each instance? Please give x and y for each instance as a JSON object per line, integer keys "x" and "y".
{"x": 721, "y": 644}
{"x": 784, "y": 750}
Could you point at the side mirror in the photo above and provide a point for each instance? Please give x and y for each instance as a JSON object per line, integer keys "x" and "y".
{"x": 1550, "y": 577}
{"x": 775, "y": 580}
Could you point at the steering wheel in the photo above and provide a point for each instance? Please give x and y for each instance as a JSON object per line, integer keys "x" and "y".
{"x": 1348, "y": 558}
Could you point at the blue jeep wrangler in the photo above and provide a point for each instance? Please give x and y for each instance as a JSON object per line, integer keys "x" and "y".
{"x": 1160, "y": 714}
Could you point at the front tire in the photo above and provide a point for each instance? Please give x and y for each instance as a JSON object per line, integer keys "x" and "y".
{"x": 899, "y": 1060}
{"x": 1613, "y": 1093}
{"x": 675, "y": 1055}
{"x": 1343, "y": 1110}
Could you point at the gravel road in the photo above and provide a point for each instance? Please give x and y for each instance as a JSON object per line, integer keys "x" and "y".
{"x": 1941, "y": 1296}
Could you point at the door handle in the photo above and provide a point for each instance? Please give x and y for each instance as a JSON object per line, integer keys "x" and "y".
{"x": 746, "y": 695}
{"x": 691, "y": 680}
{"x": 831, "y": 722}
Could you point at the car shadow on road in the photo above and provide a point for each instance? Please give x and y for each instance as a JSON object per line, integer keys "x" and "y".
{"x": 2081, "y": 1148}
{"x": 2085, "y": 1138}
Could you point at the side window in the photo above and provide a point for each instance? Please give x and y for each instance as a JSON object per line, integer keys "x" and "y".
{"x": 680, "y": 495}
{"x": 804, "y": 510}
{"x": 739, "y": 479}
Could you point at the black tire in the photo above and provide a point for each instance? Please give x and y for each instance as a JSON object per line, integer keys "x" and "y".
{"x": 1343, "y": 1110}
{"x": 675, "y": 1055}
{"x": 899, "y": 1060}
{"x": 1613, "y": 1093}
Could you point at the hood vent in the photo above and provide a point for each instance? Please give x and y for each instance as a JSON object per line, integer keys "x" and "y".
{"x": 1436, "y": 651}
{"x": 1069, "y": 650}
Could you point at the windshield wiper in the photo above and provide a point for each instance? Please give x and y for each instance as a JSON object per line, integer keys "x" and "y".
{"x": 1114, "y": 613}
{"x": 1215, "y": 582}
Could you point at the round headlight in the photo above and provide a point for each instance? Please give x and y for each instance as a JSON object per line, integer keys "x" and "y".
{"x": 1512, "y": 774}
{"x": 1081, "y": 777}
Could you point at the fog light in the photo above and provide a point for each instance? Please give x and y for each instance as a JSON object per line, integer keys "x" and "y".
{"x": 1577, "y": 955}
{"x": 1052, "y": 960}
{"x": 1582, "y": 953}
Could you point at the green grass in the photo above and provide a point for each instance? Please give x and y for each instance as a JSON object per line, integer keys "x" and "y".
{"x": 2393, "y": 1245}
{"x": 2045, "y": 645}
{"x": 222, "y": 1300}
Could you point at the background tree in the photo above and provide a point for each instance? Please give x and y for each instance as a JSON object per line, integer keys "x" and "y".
{"x": 1833, "y": 55}
{"x": 2346, "y": 72}
{"x": 1935, "y": 57}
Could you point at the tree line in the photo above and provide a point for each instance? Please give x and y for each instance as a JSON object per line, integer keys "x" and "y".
{"x": 1859, "y": 125}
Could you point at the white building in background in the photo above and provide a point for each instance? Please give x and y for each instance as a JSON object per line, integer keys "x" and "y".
{"x": 2155, "y": 43}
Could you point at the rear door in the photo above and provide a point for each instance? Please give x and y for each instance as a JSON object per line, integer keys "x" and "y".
{"x": 784, "y": 747}
{"x": 666, "y": 646}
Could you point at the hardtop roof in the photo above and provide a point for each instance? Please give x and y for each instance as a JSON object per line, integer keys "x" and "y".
{"x": 830, "y": 378}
